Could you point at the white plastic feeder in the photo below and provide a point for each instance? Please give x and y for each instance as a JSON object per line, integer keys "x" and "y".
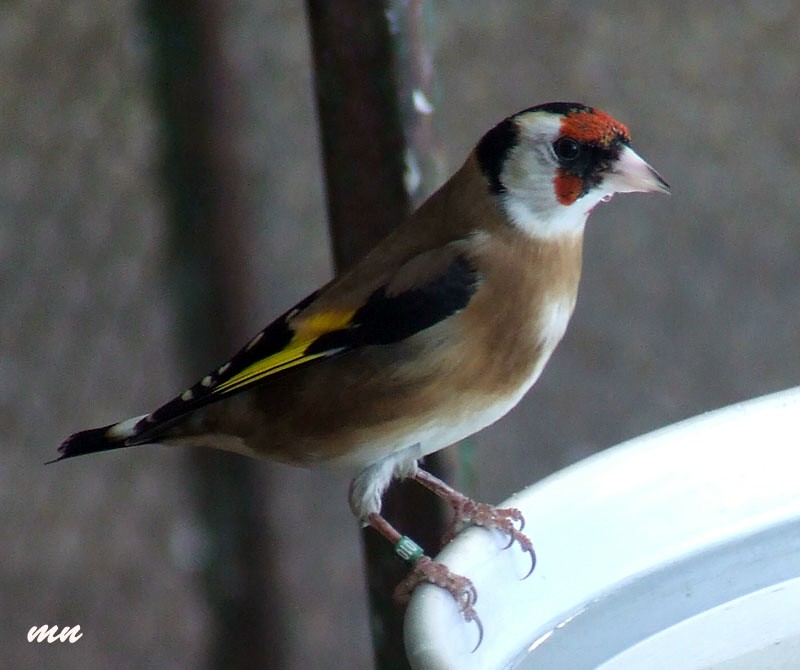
{"x": 676, "y": 550}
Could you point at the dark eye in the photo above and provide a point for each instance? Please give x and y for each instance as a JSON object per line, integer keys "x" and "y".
{"x": 566, "y": 149}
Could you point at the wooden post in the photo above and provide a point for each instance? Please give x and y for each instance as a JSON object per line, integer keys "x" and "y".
{"x": 374, "y": 78}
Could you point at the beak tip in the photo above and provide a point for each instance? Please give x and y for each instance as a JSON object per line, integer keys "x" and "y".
{"x": 633, "y": 173}
{"x": 660, "y": 185}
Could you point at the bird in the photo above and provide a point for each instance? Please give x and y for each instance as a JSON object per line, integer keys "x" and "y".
{"x": 435, "y": 334}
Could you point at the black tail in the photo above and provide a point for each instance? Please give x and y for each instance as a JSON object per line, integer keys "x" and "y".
{"x": 89, "y": 442}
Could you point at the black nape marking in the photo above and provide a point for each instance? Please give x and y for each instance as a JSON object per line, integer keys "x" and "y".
{"x": 385, "y": 319}
{"x": 492, "y": 152}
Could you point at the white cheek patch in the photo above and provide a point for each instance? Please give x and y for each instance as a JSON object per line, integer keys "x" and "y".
{"x": 530, "y": 199}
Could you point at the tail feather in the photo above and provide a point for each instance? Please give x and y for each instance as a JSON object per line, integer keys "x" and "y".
{"x": 114, "y": 436}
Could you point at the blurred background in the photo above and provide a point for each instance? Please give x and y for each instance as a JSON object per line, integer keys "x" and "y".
{"x": 687, "y": 303}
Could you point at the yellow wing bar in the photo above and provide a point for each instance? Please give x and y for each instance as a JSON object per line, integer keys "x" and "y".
{"x": 288, "y": 358}
{"x": 292, "y": 354}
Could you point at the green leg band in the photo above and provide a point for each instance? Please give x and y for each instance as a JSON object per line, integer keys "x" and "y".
{"x": 408, "y": 550}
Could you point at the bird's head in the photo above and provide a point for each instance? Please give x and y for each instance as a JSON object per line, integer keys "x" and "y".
{"x": 551, "y": 164}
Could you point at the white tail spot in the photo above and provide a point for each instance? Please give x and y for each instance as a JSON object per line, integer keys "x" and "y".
{"x": 124, "y": 429}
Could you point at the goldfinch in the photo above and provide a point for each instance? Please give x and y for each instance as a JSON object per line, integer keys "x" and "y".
{"x": 435, "y": 334}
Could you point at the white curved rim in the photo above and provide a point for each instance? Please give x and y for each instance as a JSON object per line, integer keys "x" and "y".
{"x": 653, "y": 501}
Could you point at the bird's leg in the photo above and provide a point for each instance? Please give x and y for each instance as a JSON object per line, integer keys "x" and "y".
{"x": 426, "y": 570}
{"x": 468, "y": 512}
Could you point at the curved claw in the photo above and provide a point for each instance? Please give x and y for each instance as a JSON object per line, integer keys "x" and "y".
{"x": 532, "y": 553}
{"x": 527, "y": 546}
{"x": 477, "y": 621}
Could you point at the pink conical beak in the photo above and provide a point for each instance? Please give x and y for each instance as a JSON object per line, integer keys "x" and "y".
{"x": 631, "y": 173}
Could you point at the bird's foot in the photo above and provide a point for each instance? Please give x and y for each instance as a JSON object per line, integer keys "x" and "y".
{"x": 508, "y": 521}
{"x": 468, "y": 512}
{"x": 428, "y": 571}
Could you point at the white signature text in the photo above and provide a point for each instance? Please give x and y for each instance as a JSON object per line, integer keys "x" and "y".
{"x": 52, "y": 634}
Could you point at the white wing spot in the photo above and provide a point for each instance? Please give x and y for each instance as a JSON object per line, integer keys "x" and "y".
{"x": 207, "y": 381}
{"x": 187, "y": 395}
{"x": 222, "y": 370}
{"x": 255, "y": 340}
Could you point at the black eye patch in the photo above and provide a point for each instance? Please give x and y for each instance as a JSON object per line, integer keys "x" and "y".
{"x": 586, "y": 160}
